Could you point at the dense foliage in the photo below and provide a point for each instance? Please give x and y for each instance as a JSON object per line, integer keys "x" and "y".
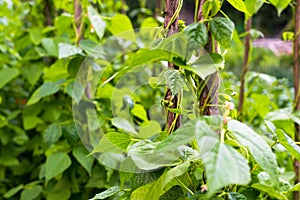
{"x": 82, "y": 108}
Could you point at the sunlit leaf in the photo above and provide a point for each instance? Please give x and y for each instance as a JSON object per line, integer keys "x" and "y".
{"x": 6, "y": 75}
{"x": 98, "y": 24}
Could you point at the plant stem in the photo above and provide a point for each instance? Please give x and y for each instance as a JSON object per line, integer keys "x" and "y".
{"x": 245, "y": 66}
{"x": 296, "y": 87}
{"x": 78, "y": 21}
{"x": 171, "y": 24}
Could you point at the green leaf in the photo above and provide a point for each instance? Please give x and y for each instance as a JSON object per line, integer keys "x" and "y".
{"x": 123, "y": 125}
{"x": 98, "y": 24}
{"x": 145, "y": 157}
{"x": 206, "y": 65}
{"x": 288, "y": 36}
{"x": 80, "y": 153}
{"x": 144, "y": 56}
{"x": 121, "y": 25}
{"x": 30, "y": 122}
{"x": 253, "y": 6}
{"x": 113, "y": 142}
{"x": 197, "y": 34}
{"x": 174, "y": 81}
{"x": 46, "y": 89}
{"x": 184, "y": 135}
{"x": 295, "y": 188}
{"x": 280, "y": 5}
{"x": 155, "y": 190}
{"x": 222, "y": 29}
{"x": 269, "y": 190}
{"x": 107, "y": 193}
{"x": 56, "y": 164}
{"x": 239, "y": 5}
{"x": 60, "y": 194}
{"x": 66, "y": 50}
{"x": 31, "y": 193}
{"x": 13, "y": 191}
{"x": 289, "y": 144}
{"x": 257, "y": 146}
{"x": 32, "y": 72}
{"x": 7, "y": 74}
{"x": 52, "y": 134}
{"x": 211, "y": 8}
{"x": 225, "y": 166}
{"x": 139, "y": 111}
{"x": 36, "y": 35}
{"x": 149, "y": 129}
{"x": 51, "y": 46}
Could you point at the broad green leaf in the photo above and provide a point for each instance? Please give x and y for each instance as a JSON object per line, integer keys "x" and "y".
{"x": 149, "y": 22}
{"x": 98, "y": 24}
{"x": 206, "y": 136}
{"x": 206, "y": 65}
{"x": 31, "y": 193}
{"x": 30, "y": 122}
{"x": 289, "y": 144}
{"x": 13, "y": 191}
{"x": 149, "y": 129}
{"x": 295, "y": 188}
{"x": 197, "y": 35}
{"x": 56, "y": 164}
{"x": 107, "y": 193}
{"x": 7, "y": 74}
{"x": 269, "y": 190}
{"x": 32, "y": 72}
{"x": 174, "y": 81}
{"x": 222, "y": 29}
{"x": 138, "y": 111}
{"x": 123, "y": 125}
{"x": 184, "y": 135}
{"x": 280, "y": 5}
{"x": 121, "y": 25}
{"x": 225, "y": 166}
{"x": 145, "y": 157}
{"x": 257, "y": 146}
{"x": 56, "y": 72}
{"x": 46, "y": 89}
{"x": 155, "y": 190}
{"x": 60, "y": 194}
{"x": 253, "y": 6}
{"x": 52, "y": 134}
{"x": 50, "y": 46}
{"x": 66, "y": 50}
{"x": 211, "y": 8}
{"x": 141, "y": 192}
{"x": 36, "y": 35}
{"x": 144, "y": 56}
{"x": 80, "y": 153}
{"x": 239, "y": 5}
{"x": 112, "y": 142}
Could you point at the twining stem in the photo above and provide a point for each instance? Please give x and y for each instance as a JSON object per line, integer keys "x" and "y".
{"x": 245, "y": 66}
{"x": 296, "y": 87}
{"x": 78, "y": 21}
{"x": 172, "y": 10}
